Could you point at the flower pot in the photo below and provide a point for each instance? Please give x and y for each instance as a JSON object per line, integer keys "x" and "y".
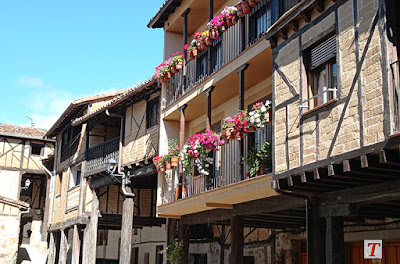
{"x": 214, "y": 35}
{"x": 168, "y": 75}
{"x": 229, "y": 21}
{"x": 261, "y": 171}
{"x": 195, "y": 51}
{"x": 239, "y": 135}
{"x": 168, "y": 165}
{"x": 224, "y": 27}
{"x": 191, "y": 56}
{"x": 235, "y": 18}
{"x": 239, "y": 10}
{"x": 179, "y": 65}
{"x": 174, "y": 69}
{"x": 268, "y": 117}
{"x": 174, "y": 161}
{"x": 162, "y": 167}
{"x": 163, "y": 80}
{"x": 230, "y": 133}
{"x": 247, "y": 175}
{"x": 252, "y": 3}
{"x": 208, "y": 41}
{"x": 251, "y": 129}
{"x": 158, "y": 167}
{"x": 246, "y": 9}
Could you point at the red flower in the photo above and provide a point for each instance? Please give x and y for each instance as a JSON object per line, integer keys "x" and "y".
{"x": 186, "y": 47}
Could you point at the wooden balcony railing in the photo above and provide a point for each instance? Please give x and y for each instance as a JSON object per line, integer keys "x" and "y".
{"x": 98, "y": 156}
{"x": 227, "y": 48}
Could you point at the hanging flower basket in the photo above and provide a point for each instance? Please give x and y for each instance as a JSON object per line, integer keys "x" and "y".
{"x": 163, "y": 80}
{"x": 230, "y": 133}
{"x": 179, "y": 65}
{"x": 174, "y": 161}
{"x": 168, "y": 75}
{"x": 229, "y": 21}
{"x": 252, "y": 3}
{"x": 246, "y": 9}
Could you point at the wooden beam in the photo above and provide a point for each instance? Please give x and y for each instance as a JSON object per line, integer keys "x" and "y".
{"x": 90, "y": 233}
{"x": 219, "y": 205}
{"x": 320, "y": 6}
{"x": 76, "y": 245}
{"x": 62, "y": 259}
{"x": 294, "y": 25}
{"x": 208, "y": 106}
{"x": 306, "y": 16}
{"x": 283, "y": 34}
{"x": 331, "y": 171}
{"x": 268, "y": 205}
{"x": 237, "y": 240}
{"x": 169, "y": 216}
{"x": 184, "y": 240}
{"x": 206, "y": 217}
{"x": 126, "y": 229}
{"x": 52, "y": 249}
{"x": 315, "y": 234}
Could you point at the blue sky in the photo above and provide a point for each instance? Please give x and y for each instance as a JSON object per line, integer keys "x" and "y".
{"x": 52, "y": 52}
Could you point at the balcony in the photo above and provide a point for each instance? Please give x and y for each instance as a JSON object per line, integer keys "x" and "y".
{"x": 227, "y": 170}
{"x": 70, "y": 148}
{"x": 231, "y": 44}
{"x": 98, "y": 156}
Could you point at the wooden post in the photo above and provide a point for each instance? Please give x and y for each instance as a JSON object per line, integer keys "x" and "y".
{"x": 208, "y": 106}
{"x": 76, "y": 245}
{"x": 315, "y": 234}
{"x": 241, "y": 71}
{"x": 63, "y": 248}
{"x": 237, "y": 240}
{"x": 242, "y": 34}
{"x": 184, "y": 240}
{"x": 181, "y": 143}
{"x": 171, "y": 229}
{"x": 52, "y": 249}
{"x": 222, "y": 244}
{"x": 126, "y": 229}
{"x": 90, "y": 233}
{"x": 45, "y": 223}
{"x": 335, "y": 246}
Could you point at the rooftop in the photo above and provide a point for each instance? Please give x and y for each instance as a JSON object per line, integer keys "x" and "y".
{"x": 21, "y": 130}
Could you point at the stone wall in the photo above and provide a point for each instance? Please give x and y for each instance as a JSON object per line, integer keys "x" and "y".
{"x": 334, "y": 129}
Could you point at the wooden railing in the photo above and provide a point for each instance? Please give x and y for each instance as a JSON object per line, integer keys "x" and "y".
{"x": 98, "y": 156}
{"x": 232, "y": 42}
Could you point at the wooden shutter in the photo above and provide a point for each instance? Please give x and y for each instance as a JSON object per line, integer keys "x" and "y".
{"x": 323, "y": 52}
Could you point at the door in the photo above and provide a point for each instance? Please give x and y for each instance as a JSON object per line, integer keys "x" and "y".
{"x": 135, "y": 255}
{"x": 390, "y": 253}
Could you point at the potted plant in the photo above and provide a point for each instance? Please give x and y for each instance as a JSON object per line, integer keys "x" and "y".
{"x": 173, "y": 150}
{"x": 252, "y": 3}
{"x": 239, "y": 10}
{"x": 206, "y": 36}
{"x": 174, "y": 252}
{"x": 197, "y": 149}
{"x": 157, "y": 160}
{"x": 228, "y": 125}
{"x": 246, "y": 9}
{"x": 265, "y": 156}
{"x": 231, "y": 16}
{"x": 167, "y": 161}
{"x": 260, "y": 114}
{"x": 252, "y": 161}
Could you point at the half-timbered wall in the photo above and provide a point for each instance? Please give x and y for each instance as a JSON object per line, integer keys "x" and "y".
{"x": 357, "y": 118}
{"x": 140, "y": 142}
{"x": 16, "y": 153}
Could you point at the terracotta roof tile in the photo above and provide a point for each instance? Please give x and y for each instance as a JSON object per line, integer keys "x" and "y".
{"x": 21, "y": 130}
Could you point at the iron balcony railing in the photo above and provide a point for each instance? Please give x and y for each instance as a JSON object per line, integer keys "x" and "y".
{"x": 224, "y": 50}
{"x": 226, "y": 170}
{"x": 98, "y": 156}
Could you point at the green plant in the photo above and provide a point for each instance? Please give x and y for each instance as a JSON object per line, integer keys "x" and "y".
{"x": 265, "y": 154}
{"x": 174, "y": 252}
{"x": 252, "y": 161}
{"x": 166, "y": 158}
{"x": 173, "y": 148}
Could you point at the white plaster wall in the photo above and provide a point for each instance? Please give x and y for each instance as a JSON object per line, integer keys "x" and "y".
{"x": 9, "y": 184}
{"x": 147, "y": 240}
{"x": 111, "y": 251}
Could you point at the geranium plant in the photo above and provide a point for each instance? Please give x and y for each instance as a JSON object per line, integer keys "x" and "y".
{"x": 197, "y": 150}
{"x": 259, "y": 114}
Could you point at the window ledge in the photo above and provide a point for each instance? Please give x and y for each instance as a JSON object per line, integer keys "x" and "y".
{"x": 315, "y": 109}
{"x": 396, "y": 134}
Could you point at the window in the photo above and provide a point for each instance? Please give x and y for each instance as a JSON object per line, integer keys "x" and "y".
{"x": 36, "y": 149}
{"x": 153, "y": 112}
{"x": 75, "y": 176}
{"x": 322, "y": 73}
{"x": 102, "y": 237}
{"x": 259, "y": 20}
{"x": 159, "y": 256}
{"x": 59, "y": 184}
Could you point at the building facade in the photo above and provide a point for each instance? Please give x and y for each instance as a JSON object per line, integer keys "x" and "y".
{"x": 331, "y": 70}
{"x": 105, "y": 183}
{"x": 25, "y": 161}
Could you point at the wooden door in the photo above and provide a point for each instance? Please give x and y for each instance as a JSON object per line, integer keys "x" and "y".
{"x": 390, "y": 253}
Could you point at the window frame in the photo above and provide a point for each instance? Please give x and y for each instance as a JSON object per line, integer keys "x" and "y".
{"x": 149, "y": 112}
{"x": 36, "y": 145}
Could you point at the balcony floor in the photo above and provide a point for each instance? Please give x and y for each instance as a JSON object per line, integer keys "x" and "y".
{"x": 244, "y": 191}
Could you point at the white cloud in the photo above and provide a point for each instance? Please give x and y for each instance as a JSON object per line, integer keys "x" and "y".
{"x": 32, "y": 82}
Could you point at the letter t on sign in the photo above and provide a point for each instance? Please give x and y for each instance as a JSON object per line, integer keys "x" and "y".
{"x": 373, "y": 249}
